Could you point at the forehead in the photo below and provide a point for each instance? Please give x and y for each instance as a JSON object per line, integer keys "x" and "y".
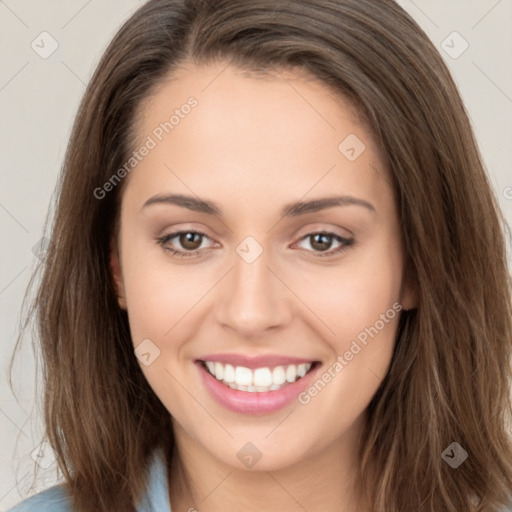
{"x": 224, "y": 88}
{"x": 281, "y": 131}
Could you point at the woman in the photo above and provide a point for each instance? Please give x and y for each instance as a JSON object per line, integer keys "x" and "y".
{"x": 277, "y": 276}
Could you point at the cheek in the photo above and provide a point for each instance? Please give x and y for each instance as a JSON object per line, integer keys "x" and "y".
{"x": 162, "y": 301}
{"x": 353, "y": 295}
{"x": 364, "y": 315}
{"x": 361, "y": 308}
{"x": 160, "y": 293}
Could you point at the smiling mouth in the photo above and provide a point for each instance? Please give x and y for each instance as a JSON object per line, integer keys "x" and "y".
{"x": 257, "y": 380}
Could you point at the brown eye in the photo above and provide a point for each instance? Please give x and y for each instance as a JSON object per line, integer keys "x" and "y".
{"x": 190, "y": 240}
{"x": 183, "y": 243}
{"x": 323, "y": 241}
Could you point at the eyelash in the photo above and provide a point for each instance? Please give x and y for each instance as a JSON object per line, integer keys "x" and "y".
{"x": 163, "y": 240}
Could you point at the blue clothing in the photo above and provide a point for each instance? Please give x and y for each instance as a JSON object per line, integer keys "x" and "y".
{"x": 155, "y": 498}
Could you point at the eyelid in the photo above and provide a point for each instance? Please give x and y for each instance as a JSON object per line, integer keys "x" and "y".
{"x": 322, "y": 227}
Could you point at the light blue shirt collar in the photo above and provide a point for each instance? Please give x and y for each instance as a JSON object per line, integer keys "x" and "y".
{"x": 156, "y": 497}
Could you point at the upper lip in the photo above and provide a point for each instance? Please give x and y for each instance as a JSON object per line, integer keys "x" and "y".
{"x": 262, "y": 361}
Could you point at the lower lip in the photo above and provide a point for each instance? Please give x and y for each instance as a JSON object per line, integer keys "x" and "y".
{"x": 256, "y": 403}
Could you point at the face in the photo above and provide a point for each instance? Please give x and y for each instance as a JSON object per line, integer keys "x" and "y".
{"x": 260, "y": 262}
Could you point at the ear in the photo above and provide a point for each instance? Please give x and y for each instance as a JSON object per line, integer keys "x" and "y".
{"x": 115, "y": 269}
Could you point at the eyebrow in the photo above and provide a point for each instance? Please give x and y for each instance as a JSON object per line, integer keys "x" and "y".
{"x": 290, "y": 210}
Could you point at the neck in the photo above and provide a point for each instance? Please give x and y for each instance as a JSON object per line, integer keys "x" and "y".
{"x": 323, "y": 482}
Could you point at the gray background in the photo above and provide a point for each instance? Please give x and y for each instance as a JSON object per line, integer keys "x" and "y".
{"x": 38, "y": 101}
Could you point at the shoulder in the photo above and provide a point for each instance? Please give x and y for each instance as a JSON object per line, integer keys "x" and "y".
{"x": 54, "y": 499}
{"x": 57, "y": 499}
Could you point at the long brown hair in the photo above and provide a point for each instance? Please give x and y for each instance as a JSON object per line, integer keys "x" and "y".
{"x": 450, "y": 374}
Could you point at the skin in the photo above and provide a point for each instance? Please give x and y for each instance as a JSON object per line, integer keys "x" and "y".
{"x": 252, "y": 145}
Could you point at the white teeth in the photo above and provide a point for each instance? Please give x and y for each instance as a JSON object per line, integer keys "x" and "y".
{"x": 243, "y": 376}
{"x": 257, "y": 380}
{"x": 262, "y": 377}
{"x": 291, "y": 373}
{"x": 229, "y": 374}
{"x": 278, "y": 375}
{"x": 219, "y": 370}
{"x": 302, "y": 369}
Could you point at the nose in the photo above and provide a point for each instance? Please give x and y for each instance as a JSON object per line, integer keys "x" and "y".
{"x": 253, "y": 299}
